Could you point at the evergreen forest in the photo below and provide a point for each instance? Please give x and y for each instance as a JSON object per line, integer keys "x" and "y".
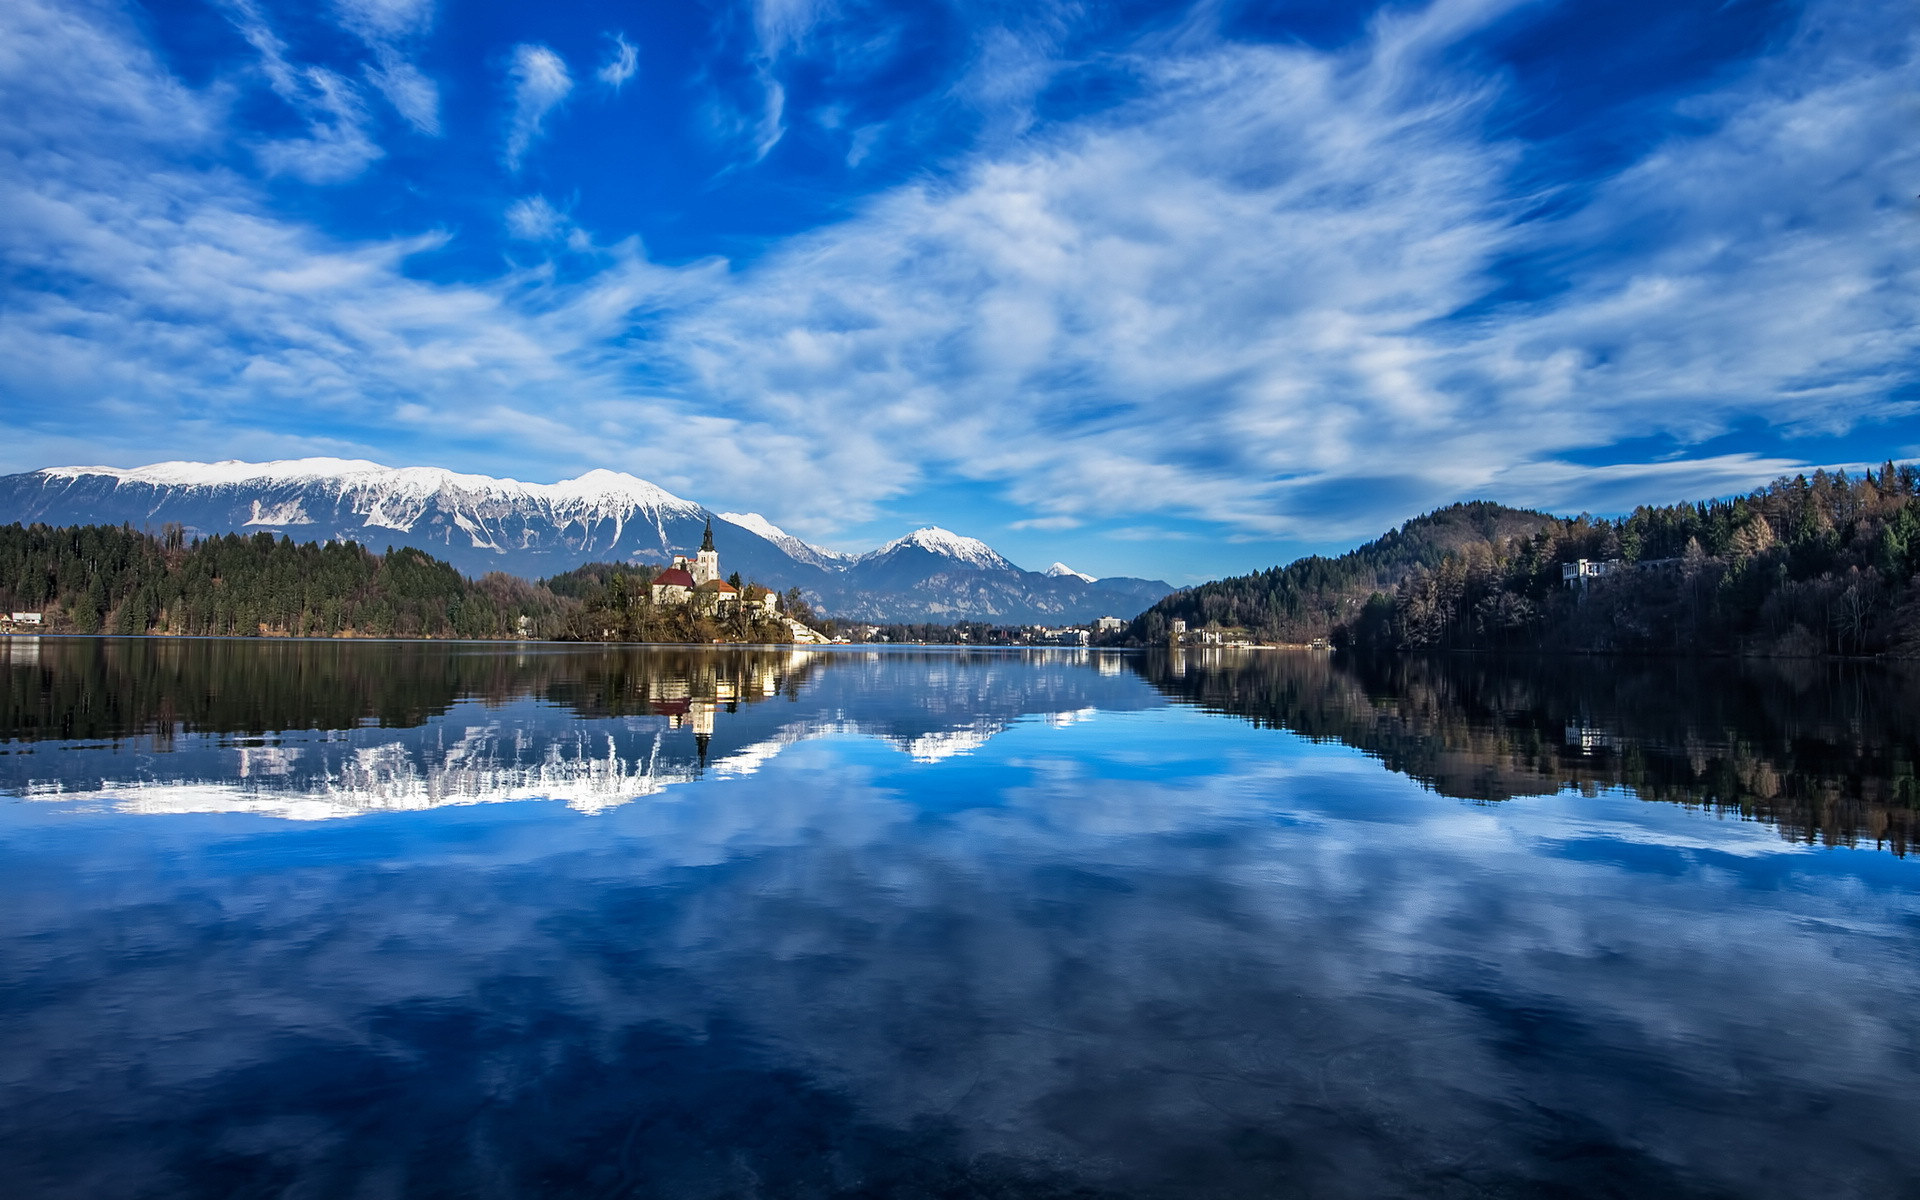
{"x": 117, "y": 580}
{"x": 1814, "y": 565}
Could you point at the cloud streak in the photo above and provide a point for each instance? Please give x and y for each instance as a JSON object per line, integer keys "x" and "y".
{"x": 387, "y": 26}
{"x": 1244, "y": 292}
{"x": 622, "y": 64}
{"x": 1270, "y": 289}
{"x": 540, "y": 83}
{"x": 337, "y": 146}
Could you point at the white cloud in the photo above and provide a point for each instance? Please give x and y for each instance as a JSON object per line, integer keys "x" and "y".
{"x": 534, "y": 219}
{"x": 337, "y": 146}
{"x": 540, "y": 82}
{"x": 1047, "y": 523}
{"x": 386, "y": 26}
{"x": 68, "y": 74}
{"x": 622, "y": 63}
{"x": 191, "y": 319}
{"x": 758, "y": 119}
{"x": 412, "y": 94}
{"x": 386, "y": 19}
{"x": 1234, "y": 296}
{"x": 782, "y": 25}
{"x": 1150, "y": 310}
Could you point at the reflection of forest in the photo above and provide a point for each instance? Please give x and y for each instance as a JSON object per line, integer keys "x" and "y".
{"x": 326, "y": 729}
{"x": 86, "y": 688}
{"x": 1825, "y": 751}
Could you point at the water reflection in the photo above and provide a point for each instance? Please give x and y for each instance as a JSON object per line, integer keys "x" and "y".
{"x": 310, "y": 730}
{"x": 1824, "y": 750}
{"x": 933, "y": 924}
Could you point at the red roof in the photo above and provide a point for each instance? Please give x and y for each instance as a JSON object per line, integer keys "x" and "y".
{"x": 674, "y": 576}
{"x": 718, "y": 585}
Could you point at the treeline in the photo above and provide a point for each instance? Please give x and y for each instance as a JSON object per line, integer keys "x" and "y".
{"x": 112, "y": 579}
{"x": 117, "y": 580}
{"x": 1810, "y": 565}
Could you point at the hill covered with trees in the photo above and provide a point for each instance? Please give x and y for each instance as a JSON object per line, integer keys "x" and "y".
{"x": 111, "y": 579}
{"x": 117, "y": 580}
{"x": 1808, "y": 565}
{"x": 1312, "y": 597}
{"x": 611, "y": 603}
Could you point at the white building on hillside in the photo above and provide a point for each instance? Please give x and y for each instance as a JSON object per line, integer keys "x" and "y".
{"x": 698, "y": 578}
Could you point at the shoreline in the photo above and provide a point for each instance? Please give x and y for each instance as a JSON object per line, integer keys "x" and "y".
{"x": 544, "y": 642}
{"x": 1296, "y": 648}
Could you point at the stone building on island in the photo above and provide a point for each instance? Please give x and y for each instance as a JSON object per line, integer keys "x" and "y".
{"x": 697, "y": 580}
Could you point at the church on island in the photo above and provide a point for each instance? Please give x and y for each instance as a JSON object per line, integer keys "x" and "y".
{"x": 697, "y": 580}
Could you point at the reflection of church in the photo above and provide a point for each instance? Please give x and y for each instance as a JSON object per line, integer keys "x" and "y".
{"x": 690, "y": 701}
{"x": 698, "y": 579}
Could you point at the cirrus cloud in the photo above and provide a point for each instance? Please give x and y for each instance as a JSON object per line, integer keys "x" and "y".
{"x": 621, "y": 65}
{"x": 1271, "y": 290}
{"x": 540, "y": 83}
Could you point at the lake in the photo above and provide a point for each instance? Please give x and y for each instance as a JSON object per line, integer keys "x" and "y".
{"x": 312, "y": 919}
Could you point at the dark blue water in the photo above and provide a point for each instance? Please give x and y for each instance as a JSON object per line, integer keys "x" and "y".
{"x": 384, "y": 920}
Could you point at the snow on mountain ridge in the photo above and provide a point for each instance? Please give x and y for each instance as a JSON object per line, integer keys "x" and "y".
{"x": 757, "y": 523}
{"x": 599, "y": 490}
{"x": 819, "y": 556}
{"x": 947, "y": 544}
{"x": 1061, "y": 570}
{"x": 480, "y": 524}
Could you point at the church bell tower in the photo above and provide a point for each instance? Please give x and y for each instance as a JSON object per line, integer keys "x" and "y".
{"x": 706, "y": 565}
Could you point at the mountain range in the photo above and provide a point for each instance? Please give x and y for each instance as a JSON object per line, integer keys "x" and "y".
{"x": 481, "y": 524}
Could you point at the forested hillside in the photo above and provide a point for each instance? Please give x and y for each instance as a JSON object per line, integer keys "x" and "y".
{"x": 111, "y": 579}
{"x": 1311, "y": 597}
{"x": 1803, "y": 566}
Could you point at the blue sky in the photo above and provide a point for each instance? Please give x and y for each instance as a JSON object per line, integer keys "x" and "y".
{"x": 1161, "y": 289}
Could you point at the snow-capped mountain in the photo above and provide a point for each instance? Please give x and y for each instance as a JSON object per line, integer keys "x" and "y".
{"x": 476, "y": 522}
{"x": 1059, "y": 569}
{"x": 941, "y": 544}
{"x": 483, "y": 524}
{"x": 937, "y": 575}
{"x": 806, "y": 552}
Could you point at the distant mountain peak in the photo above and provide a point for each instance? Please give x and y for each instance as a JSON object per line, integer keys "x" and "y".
{"x": 948, "y": 544}
{"x": 759, "y": 524}
{"x": 819, "y": 556}
{"x": 1060, "y": 570}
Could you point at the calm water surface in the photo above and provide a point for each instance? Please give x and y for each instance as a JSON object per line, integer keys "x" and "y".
{"x": 323, "y": 919}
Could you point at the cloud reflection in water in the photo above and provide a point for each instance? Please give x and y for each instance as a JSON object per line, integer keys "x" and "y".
{"x": 1151, "y": 953}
